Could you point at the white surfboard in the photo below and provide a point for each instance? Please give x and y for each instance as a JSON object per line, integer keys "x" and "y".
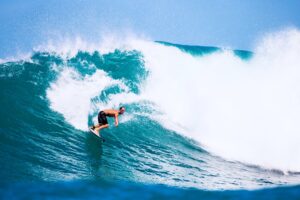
{"x": 95, "y": 133}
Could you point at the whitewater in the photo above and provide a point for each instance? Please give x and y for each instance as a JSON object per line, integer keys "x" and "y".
{"x": 244, "y": 110}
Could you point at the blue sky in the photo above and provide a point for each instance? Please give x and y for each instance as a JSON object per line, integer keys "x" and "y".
{"x": 231, "y": 23}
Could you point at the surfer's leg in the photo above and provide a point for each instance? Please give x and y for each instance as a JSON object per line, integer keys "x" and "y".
{"x": 98, "y": 128}
{"x": 95, "y": 126}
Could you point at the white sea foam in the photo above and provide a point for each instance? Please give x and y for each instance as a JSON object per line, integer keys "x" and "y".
{"x": 71, "y": 94}
{"x": 241, "y": 110}
{"x": 17, "y": 58}
{"x": 69, "y": 46}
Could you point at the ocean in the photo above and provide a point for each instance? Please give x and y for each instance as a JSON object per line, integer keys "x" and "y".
{"x": 200, "y": 122}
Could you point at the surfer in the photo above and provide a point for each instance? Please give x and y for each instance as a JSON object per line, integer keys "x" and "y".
{"x": 102, "y": 120}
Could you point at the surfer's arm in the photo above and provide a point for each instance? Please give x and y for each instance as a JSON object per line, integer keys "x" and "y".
{"x": 116, "y": 120}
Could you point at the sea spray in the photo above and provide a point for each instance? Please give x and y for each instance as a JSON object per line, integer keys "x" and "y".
{"x": 242, "y": 110}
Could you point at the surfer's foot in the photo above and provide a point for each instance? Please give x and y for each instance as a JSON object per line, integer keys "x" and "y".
{"x": 92, "y": 127}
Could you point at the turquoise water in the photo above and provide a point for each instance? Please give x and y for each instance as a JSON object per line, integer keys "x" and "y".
{"x": 48, "y": 101}
{"x": 203, "y": 50}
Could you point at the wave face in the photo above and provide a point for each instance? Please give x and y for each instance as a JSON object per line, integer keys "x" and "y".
{"x": 196, "y": 116}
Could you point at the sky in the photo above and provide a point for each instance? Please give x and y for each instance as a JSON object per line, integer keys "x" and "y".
{"x": 236, "y": 24}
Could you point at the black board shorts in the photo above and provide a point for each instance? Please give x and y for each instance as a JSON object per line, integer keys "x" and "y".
{"x": 102, "y": 118}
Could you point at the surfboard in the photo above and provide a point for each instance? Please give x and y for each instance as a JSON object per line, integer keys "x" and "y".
{"x": 95, "y": 133}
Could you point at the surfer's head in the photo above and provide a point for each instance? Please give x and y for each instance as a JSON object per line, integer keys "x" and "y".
{"x": 121, "y": 110}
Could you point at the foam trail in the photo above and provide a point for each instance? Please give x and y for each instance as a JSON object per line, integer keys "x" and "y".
{"x": 246, "y": 111}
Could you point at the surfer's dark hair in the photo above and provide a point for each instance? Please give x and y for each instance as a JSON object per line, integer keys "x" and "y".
{"x": 122, "y": 107}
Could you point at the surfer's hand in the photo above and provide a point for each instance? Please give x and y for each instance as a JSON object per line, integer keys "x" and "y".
{"x": 116, "y": 124}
